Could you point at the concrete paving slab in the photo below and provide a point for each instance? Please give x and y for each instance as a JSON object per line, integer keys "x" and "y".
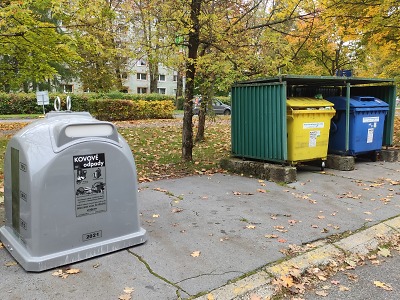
{"x": 103, "y": 277}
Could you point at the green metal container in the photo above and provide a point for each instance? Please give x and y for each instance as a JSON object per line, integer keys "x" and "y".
{"x": 259, "y": 126}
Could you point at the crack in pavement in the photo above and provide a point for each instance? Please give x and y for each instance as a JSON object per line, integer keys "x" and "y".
{"x": 211, "y": 274}
{"x": 142, "y": 260}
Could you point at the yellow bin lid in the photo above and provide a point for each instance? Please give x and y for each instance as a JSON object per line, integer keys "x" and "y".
{"x": 305, "y": 102}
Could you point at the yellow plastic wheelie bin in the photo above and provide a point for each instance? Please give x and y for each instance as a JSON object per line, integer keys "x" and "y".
{"x": 308, "y": 125}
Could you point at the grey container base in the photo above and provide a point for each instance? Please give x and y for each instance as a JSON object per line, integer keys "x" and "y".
{"x": 40, "y": 263}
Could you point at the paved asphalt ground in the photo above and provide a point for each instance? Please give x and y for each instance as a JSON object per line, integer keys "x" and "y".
{"x": 221, "y": 236}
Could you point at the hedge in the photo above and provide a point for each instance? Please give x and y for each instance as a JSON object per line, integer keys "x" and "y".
{"x": 119, "y": 110}
{"x": 107, "y": 109}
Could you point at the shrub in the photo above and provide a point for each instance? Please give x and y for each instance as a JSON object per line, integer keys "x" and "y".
{"x": 106, "y": 109}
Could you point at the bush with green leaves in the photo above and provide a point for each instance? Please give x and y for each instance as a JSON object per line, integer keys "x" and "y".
{"x": 144, "y": 107}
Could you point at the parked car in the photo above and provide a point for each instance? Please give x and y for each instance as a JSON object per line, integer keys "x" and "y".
{"x": 218, "y": 107}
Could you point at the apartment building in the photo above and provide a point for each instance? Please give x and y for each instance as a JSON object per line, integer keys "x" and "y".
{"x": 137, "y": 81}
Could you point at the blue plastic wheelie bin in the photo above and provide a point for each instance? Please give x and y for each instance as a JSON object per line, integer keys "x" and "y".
{"x": 366, "y": 123}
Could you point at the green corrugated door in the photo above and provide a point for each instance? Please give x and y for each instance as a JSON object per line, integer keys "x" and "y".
{"x": 259, "y": 128}
{"x": 385, "y": 93}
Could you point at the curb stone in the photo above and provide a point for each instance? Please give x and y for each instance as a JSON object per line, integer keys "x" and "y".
{"x": 261, "y": 282}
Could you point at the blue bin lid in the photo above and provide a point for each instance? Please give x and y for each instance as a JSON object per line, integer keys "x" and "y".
{"x": 359, "y": 103}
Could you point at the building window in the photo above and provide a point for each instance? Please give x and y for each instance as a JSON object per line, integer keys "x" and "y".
{"x": 161, "y": 91}
{"x": 142, "y": 90}
{"x": 141, "y": 76}
{"x": 141, "y": 62}
{"x": 68, "y": 88}
{"x": 161, "y": 77}
{"x": 175, "y": 78}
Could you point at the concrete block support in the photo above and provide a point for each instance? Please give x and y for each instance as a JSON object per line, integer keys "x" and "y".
{"x": 390, "y": 155}
{"x": 258, "y": 169}
{"x": 341, "y": 163}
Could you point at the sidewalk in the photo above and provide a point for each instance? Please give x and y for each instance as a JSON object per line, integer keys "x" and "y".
{"x": 221, "y": 236}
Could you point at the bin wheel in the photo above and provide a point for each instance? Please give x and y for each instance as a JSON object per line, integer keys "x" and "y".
{"x": 374, "y": 156}
{"x": 323, "y": 166}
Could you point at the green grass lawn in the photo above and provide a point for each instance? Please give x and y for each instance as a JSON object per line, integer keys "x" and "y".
{"x": 156, "y": 146}
{"x": 30, "y": 116}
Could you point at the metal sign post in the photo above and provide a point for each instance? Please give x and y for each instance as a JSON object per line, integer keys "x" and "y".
{"x": 42, "y": 98}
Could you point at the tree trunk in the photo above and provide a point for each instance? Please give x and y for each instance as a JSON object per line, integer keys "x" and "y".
{"x": 193, "y": 45}
{"x": 202, "y": 124}
{"x": 153, "y": 70}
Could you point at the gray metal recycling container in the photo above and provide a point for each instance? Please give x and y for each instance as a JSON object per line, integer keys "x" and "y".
{"x": 70, "y": 192}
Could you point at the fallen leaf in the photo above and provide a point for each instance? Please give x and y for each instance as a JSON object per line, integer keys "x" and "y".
{"x": 287, "y": 281}
{"x": 125, "y": 297}
{"x": 57, "y": 273}
{"x": 322, "y": 277}
{"x": 96, "y": 265}
{"x": 282, "y": 241}
{"x": 210, "y": 297}
{"x": 156, "y": 215}
{"x": 250, "y": 227}
{"x": 195, "y": 254}
{"x": 343, "y": 288}
{"x": 280, "y": 228}
{"x": 352, "y": 277}
{"x": 383, "y": 285}
{"x": 129, "y": 290}
{"x": 11, "y": 263}
{"x": 367, "y": 212}
{"x": 321, "y": 293}
{"x": 314, "y": 226}
{"x": 176, "y": 210}
{"x": 237, "y": 193}
{"x": 351, "y": 263}
{"x": 335, "y": 282}
{"x": 261, "y": 191}
{"x": 384, "y": 252}
{"x": 271, "y": 236}
{"x": 72, "y": 271}
{"x": 321, "y": 217}
{"x": 1, "y": 245}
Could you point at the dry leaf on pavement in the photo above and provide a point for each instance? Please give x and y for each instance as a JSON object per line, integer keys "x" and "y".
{"x": 383, "y": 285}
{"x": 343, "y": 288}
{"x": 384, "y": 252}
{"x": 195, "y": 254}
{"x": 129, "y": 290}
{"x": 10, "y": 263}
{"x": 321, "y": 293}
{"x": 72, "y": 271}
{"x": 125, "y": 297}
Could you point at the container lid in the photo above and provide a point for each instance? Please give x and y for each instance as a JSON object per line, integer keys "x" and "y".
{"x": 359, "y": 103}
{"x": 304, "y": 103}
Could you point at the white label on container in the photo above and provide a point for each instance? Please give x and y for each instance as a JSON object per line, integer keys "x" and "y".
{"x": 370, "y": 136}
{"x": 370, "y": 119}
{"x": 312, "y": 142}
{"x": 90, "y": 184}
{"x": 313, "y": 125}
